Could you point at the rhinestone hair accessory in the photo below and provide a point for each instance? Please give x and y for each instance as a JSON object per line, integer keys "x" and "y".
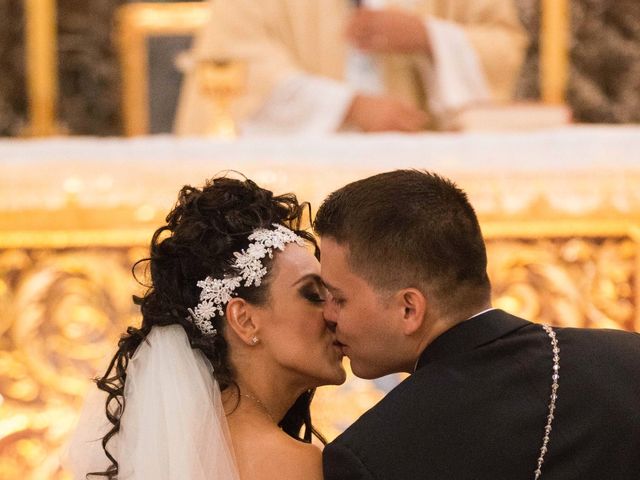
{"x": 216, "y": 292}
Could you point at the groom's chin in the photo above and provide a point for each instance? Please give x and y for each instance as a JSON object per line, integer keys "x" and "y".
{"x": 364, "y": 370}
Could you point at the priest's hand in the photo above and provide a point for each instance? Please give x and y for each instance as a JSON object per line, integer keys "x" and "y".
{"x": 383, "y": 113}
{"x": 388, "y": 31}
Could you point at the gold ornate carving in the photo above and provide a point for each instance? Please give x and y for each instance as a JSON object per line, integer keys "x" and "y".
{"x": 336, "y": 407}
{"x": 62, "y": 312}
{"x": 577, "y": 282}
{"x": 65, "y": 296}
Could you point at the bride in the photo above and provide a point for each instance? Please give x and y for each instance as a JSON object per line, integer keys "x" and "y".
{"x": 218, "y": 380}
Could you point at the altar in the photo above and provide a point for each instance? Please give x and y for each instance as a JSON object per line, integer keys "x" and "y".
{"x": 560, "y": 210}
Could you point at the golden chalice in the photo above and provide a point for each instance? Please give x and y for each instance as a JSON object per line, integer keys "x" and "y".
{"x": 221, "y": 80}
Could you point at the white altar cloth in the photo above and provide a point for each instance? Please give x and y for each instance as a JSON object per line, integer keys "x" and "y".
{"x": 575, "y": 169}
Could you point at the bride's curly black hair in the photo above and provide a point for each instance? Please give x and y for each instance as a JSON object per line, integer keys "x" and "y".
{"x": 204, "y": 229}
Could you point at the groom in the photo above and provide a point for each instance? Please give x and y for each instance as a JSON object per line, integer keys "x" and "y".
{"x": 490, "y": 396}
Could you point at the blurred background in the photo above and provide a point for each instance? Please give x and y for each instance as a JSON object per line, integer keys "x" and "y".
{"x": 603, "y": 84}
{"x": 89, "y": 167}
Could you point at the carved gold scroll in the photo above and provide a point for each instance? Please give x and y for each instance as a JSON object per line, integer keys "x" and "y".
{"x": 65, "y": 296}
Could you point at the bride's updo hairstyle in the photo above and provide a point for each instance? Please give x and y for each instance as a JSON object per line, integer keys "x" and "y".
{"x": 202, "y": 232}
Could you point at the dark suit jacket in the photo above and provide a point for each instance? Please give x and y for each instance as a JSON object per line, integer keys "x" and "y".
{"x": 477, "y": 404}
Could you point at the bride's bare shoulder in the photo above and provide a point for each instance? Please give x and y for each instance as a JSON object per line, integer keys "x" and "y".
{"x": 278, "y": 456}
{"x": 297, "y": 460}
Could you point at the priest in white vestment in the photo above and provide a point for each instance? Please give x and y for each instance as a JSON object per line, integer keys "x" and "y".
{"x": 321, "y": 66}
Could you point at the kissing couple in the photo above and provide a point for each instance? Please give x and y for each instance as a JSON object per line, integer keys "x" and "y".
{"x": 241, "y": 323}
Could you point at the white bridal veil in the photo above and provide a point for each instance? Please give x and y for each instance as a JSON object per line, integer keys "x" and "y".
{"x": 173, "y": 426}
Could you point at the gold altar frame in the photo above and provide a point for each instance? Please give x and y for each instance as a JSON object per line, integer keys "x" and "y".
{"x": 554, "y": 38}
{"x": 499, "y": 230}
{"x": 41, "y": 47}
{"x": 135, "y": 23}
{"x": 74, "y": 227}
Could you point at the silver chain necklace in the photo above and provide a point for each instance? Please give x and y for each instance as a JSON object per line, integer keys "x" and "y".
{"x": 552, "y": 399}
{"x": 261, "y": 405}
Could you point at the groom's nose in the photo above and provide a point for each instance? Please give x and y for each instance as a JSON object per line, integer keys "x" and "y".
{"x": 330, "y": 325}
{"x": 329, "y": 313}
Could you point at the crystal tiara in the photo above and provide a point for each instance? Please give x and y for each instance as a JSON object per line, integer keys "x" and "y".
{"x": 216, "y": 292}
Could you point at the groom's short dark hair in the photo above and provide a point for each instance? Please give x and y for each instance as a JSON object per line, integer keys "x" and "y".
{"x": 410, "y": 228}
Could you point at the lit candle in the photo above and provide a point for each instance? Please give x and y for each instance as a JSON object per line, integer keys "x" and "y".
{"x": 554, "y": 50}
{"x": 42, "y": 74}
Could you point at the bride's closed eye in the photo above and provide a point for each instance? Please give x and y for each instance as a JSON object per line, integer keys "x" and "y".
{"x": 313, "y": 293}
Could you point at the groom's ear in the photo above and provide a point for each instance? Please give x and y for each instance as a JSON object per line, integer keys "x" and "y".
{"x": 414, "y": 305}
{"x": 240, "y": 320}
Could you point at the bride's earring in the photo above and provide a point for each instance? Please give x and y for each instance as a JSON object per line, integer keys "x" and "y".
{"x": 254, "y": 340}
